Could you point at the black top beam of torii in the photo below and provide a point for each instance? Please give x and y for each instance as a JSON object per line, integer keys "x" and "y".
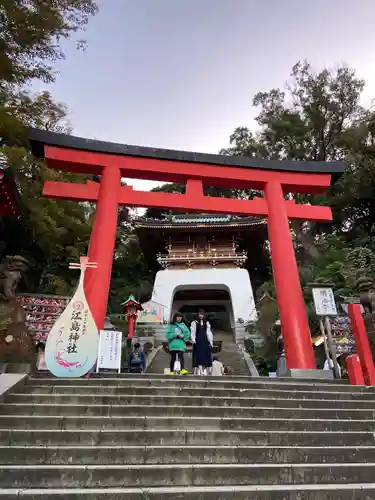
{"x": 40, "y": 138}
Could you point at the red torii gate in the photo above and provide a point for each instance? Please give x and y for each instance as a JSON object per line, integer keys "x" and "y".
{"x": 113, "y": 161}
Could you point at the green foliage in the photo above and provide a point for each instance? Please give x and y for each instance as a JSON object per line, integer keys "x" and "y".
{"x": 317, "y": 116}
{"x": 130, "y": 274}
{"x": 31, "y": 31}
{"x": 59, "y": 229}
{"x": 52, "y": 233}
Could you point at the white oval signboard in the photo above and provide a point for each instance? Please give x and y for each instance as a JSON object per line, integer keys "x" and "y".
{"x": 72, "y": 344}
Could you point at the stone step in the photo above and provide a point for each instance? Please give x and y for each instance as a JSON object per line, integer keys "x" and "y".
{"x": 359, "y": 491}
{"x": 177, "y": 390}
{"x": 155, "y": 475}
{"x": 121, "y": 455}
{"x": 165, "y": 422}
{"x": 197, "y": 381}
{"x": 148, "y": 410}
{"x": 183, "y": 400}
{"x": 169, "y": 437}
{"x": 230, "y": 355}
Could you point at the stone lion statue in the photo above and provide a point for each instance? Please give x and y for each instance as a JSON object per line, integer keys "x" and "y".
{"x": 16, "y": 344}
{"x": 12, "y": 270}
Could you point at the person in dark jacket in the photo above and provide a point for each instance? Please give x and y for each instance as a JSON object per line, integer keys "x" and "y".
{"x": 202, "y": 339}
{"x": 137, "y": 360}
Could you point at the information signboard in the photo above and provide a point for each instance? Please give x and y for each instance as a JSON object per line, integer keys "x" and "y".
{"x": 152, "y": 312}
{"x": 324, "y": 301}
{"x": 109, "y": 352}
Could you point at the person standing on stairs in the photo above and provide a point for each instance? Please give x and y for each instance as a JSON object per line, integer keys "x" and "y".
{"x": 137, "y": 360}
{"x": 217, "y": 368}
{"x": 178, "y": 335}
{"x": 202, "y": 339}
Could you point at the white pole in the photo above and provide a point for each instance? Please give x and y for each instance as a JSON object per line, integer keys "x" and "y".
{"x": 120, "y": 351}
{"x": 99, "y": 352}
{"x": 332, "y": 347}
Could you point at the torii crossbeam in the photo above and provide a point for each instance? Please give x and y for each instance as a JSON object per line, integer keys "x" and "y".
{"x": 113, "y": 161}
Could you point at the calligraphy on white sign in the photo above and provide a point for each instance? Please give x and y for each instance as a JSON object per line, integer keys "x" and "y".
{"x": 72, "y": 344}
{"x": 109, "y": 355}
{"x": 324, "y": 302}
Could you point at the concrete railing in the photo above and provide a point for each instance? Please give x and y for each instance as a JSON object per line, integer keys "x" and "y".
{"x": 249, "y": 361}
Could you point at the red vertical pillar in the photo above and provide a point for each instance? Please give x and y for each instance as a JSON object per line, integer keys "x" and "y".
{"x": 355, "y": 373}
{"x": 295, "y": 328}
{"x": 102, "y": 244}
{"x": 362, "y": 343}
{"x": 131, "y": 326}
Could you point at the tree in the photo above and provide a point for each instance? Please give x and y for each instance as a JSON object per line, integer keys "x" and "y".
{"x": 31, "y": 32}
{"x": 131, "y": 274}
{"x": 53, "y": 233}
{"x": 310, "y": 118}
{"x": 318, "y": 116}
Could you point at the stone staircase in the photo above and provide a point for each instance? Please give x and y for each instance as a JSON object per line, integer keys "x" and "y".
{"x": 171, "y": 438}
{"x": 161, "y": 362}
{"x": 230, "y": 355}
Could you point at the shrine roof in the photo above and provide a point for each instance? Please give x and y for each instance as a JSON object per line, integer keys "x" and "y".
{"x": 250, "y": 233}
{"x": 201, "y": 221}
{"x": 9, "y": 197}
{"x": 39, "y": 138}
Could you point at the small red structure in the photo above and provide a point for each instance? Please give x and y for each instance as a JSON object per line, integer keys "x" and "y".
{"x": 275, "y": 178}
{"x": 131, "y": 308}
{"x": 362, "y": 343}
{"x": 355, "y": 373}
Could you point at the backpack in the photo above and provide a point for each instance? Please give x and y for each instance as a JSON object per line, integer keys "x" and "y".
{"x": 136, "y": 358}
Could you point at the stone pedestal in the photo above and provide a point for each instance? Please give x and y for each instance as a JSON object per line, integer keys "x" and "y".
{"x": 310, "y": 374}
{"x": 16, "y": 345}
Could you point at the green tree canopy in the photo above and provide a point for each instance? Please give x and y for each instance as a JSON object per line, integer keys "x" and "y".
{"x": 52, "y": 233}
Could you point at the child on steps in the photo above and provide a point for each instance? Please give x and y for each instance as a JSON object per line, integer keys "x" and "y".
{"x": 178, "y": 335}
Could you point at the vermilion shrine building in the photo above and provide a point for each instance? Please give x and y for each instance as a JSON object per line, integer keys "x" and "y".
{"x": 274, "y": 178}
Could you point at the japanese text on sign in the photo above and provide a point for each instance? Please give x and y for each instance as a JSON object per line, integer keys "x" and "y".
{"x": 324, "y": 302}
{"x": 109, "y": 355}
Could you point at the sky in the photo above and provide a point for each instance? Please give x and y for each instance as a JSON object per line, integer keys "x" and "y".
{"x": 181, "y": 74}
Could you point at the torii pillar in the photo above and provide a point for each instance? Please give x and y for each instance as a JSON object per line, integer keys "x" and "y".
{"x": 102, "y": 244}
{"x": 112, "y": 161}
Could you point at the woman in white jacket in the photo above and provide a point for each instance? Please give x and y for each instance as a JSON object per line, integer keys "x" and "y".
{"x": 202, "y": 339}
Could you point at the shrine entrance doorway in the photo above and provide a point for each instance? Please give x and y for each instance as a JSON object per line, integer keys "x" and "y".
{"x": 279, "y": 181}
{"x": 217, "y": 304}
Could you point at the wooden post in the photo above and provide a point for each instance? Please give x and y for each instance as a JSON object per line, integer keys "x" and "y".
{"x": 332, "y": 347}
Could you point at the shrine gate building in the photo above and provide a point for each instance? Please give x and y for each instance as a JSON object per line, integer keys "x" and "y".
{"x": 208, "y": 261}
